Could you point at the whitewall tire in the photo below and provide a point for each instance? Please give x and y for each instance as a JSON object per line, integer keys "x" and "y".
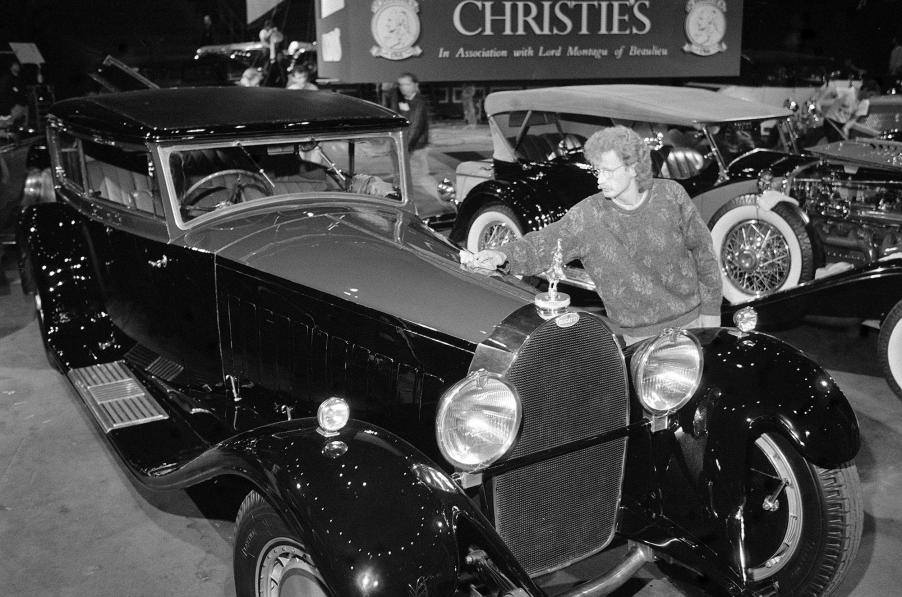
{"x": 492, "y": 226}
{"x": 760, "y": 251}
{"x": 889, "y": 347}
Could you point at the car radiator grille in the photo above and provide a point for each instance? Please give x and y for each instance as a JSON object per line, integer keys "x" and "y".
{"x": 573, "y": 385}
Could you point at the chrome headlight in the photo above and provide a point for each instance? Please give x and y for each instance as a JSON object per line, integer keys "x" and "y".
{"x": 478, "y": 420}
{"x": 667, "y": 371}
{"x": 332, "y": 415}
{"x": 765, "y": 180}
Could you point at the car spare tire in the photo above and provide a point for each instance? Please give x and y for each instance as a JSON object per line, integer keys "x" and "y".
{"x": 760, "y": 251}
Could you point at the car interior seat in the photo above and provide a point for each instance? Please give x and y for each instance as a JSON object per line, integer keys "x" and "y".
{"x": 681, "y": 163}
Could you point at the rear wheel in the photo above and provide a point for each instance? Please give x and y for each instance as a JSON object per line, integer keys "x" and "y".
{"x": 760, "y": 251}
{"x": 492, "y": 226}
{"x": 269, "y": 560}
{"x": 889, "y": 347}
{"x": 802, "y": 523}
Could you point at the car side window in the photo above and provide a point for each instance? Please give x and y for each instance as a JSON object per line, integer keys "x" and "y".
{"x": 121, "y": 177}
{"x": 210, "y": 179}
{"x": 69, "y": 154}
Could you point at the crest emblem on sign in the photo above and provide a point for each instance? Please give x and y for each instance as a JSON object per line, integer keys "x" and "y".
{"x": 396, "y": 28}
{"x": 705, "y": 26}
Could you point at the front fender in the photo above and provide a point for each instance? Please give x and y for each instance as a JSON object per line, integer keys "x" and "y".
{"x": 535, "y": 208}
{"x": 708, "y": 202}
{"x": 378, "y": 517}
{"x": 754, "y": 383}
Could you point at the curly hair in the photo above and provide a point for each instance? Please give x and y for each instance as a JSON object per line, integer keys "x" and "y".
{"x": 631, "y": 149}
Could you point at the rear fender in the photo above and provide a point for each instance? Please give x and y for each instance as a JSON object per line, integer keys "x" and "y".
{"x": 519, "y": 195}
{"x": 363, "y": 502}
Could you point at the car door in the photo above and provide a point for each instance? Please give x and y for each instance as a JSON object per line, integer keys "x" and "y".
{"x": 159, "y": 293}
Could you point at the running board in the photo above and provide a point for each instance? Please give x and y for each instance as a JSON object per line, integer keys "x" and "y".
{"x": 115, "y": 397}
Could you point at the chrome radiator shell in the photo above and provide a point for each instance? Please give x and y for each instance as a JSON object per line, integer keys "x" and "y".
{"x": 572, "y": 380}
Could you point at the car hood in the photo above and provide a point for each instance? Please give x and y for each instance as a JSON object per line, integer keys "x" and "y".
{"x": 779, "y": 163}
{"x": 866, "y": 153}
{"x": 377, "y": 257}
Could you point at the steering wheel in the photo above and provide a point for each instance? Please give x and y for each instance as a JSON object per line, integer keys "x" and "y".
{"x": 205, "y": 196}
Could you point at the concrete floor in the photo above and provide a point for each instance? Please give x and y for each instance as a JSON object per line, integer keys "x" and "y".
{"x": 73, "y": 523}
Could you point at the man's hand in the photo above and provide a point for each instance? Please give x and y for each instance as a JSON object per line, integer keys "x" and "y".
{"x": 487, "y": 259}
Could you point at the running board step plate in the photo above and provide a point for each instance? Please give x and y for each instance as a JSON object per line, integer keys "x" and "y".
{"x": 114, "y": 396}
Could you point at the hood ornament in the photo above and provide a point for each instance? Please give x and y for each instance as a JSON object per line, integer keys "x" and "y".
{"x": 553, "y": 303}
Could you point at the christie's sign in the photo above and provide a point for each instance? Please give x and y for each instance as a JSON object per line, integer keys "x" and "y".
{"x": 494, "y": 40}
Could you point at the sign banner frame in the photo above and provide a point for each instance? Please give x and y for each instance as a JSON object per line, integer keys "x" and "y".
{"x": 496, "y": 40}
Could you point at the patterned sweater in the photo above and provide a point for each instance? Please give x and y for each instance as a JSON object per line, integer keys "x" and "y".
{"x": 654, "y": 267}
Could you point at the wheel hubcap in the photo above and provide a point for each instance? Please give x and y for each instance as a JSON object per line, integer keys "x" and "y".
{"x": 284, "y": 571}
{"x": 774, "y": 514}
{"x": 756, "y": 257}
{"x": 496, "y": 234}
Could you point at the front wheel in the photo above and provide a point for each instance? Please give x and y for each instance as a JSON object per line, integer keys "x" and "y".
{"x": 889, "y": 347}
{"x": 269, "y": 560}
{"x": 760, "y": 251}
{"x": 802, "y": 523}
{"x": 492, "y": 226}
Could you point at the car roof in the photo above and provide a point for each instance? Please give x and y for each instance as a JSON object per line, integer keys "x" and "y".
{"x": 650, "y": 103}
{"x": 199, "y": 112}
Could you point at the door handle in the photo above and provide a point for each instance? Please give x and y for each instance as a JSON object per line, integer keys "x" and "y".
{"x": 159, "y": 263}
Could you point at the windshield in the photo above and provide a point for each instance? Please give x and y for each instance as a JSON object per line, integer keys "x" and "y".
{"x": 734, "y": 139}
{"x": 216, "y": 177}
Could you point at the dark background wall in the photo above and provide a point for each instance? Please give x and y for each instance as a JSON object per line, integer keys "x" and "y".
{"x": 74, "y": 35}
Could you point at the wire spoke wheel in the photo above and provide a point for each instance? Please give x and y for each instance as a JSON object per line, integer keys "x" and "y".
{"x": 492, "y": 226}
{"x": 495, "y": 235}
{"x": 760, "y": 250}
{"x": 756, "y": 257}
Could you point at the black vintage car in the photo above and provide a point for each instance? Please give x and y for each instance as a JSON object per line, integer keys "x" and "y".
{"x": 236, "y": 286}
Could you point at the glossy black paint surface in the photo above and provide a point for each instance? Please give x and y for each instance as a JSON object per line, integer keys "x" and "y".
{"x": 866, "y": 292}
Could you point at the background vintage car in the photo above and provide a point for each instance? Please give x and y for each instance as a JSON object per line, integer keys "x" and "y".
{"x": 709, "y": 143}
{"x": 842, "y": 209}
{"x": 224, "y": 284}
{"x": 837, "y": 213}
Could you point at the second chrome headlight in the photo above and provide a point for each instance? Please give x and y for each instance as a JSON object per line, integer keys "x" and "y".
{"x": 667, "y": 371}
{"x": 478, "y": 420}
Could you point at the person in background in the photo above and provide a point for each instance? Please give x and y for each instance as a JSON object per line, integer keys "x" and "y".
{"x": 641, "y": 240}
{"x": 207, "y": 37}
{"x": 251, "y": 77}
{"x": 272, "y": 37}
{"x": 13, "y": 99}
{"x": 412, "y": 106}
{"x": 387, "y": 91}
{"x": 895, "y": 58}
{"x": 299, "y": 78}
{"x": 843, "y": 106}
{"x": 468, "y": 99}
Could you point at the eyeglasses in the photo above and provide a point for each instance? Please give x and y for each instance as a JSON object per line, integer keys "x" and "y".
{"x": 605, "y": 173}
